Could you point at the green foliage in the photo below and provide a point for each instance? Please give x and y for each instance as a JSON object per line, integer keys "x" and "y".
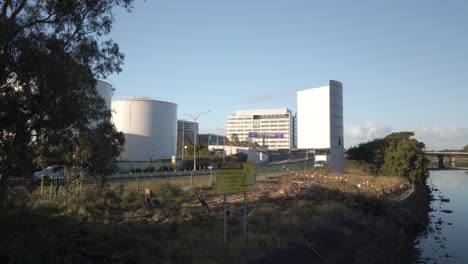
{"x": 370, "y": 152}
{"x": 465, "y": 148}
{"x": 95, "y": 148}
{"x": 15, "y": 199}
{"x": 241, "y": 157}
{"x": 405, "y": 157}
{"x": 165, "y": 168}
{"x": 51, "y": 54}
{"x": 398, "y": 154}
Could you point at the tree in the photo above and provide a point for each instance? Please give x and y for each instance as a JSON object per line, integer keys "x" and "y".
{"x": 398, "y": 154}
{"x": 371, "y": 152}
{"x": 96, "y": 148}
{"x": 405, "y": 157}
{"x": 465, "y": 148}
{"x": 234, "y": 140}
{"x": 51, "y": 52}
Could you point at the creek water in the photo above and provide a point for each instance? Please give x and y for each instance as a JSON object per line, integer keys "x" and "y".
{"x": 446, "y": 239}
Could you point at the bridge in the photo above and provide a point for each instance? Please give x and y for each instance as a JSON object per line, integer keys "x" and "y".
{"x": 442, "y": 154}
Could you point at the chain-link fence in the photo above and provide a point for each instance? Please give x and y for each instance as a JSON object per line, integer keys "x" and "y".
{"x": 47, "y": 190}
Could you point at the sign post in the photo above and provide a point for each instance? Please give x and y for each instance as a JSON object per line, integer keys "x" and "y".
{"x": 232, "y": 178}
{"x": 245, "y": 215}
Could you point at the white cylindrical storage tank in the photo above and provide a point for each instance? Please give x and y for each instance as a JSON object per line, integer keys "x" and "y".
{"x": 150, "y": 128}
{"x": 106, "y": 91}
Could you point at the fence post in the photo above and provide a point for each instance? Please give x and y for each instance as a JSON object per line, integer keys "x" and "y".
{"x": 167, "y": 179}
{"x": 138, "y": 183}
{"x": 191, "y": 178}
{"x": 266, "y": 173}
{"x": 51, "y": 188}
{"x": 42, "y": 184}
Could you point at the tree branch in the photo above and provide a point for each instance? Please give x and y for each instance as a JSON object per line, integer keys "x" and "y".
{"x": 18, "y": 9}
{"x": 5, "y": 8}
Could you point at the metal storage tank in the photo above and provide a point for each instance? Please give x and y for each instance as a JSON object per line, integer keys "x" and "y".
{"x": 150, "y": 128}
{"x": 105, "y": 90}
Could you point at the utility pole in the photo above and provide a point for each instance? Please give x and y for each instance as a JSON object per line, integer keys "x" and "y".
{"x": 183, "y": 138}
{"x": 195, "y": 138}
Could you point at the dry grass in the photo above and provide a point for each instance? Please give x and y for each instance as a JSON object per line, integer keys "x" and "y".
{"x": 177, "y": 230}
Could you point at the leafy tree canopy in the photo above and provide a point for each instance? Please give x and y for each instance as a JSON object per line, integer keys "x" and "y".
{"x": 51, "y": 52}
{"x": 398, "y": 154}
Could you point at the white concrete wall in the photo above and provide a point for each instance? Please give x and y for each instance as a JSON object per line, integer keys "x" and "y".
{"x": 336, "y": 127}
{"x": 313, "y": 118}
{"x": 320, "y": 122}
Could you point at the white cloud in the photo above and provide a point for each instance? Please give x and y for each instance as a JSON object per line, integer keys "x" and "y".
{"x": 435, "y": 137}
{"x": 439, "y": 138}
{"x": 267, "y": 97}
{"x": 355, "y": 134}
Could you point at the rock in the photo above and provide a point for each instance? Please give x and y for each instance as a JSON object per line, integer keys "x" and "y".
{"x": 445, "y": 200}
{"x": 447, "y": 211}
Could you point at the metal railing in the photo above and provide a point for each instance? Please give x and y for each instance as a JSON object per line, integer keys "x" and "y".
{"x": 46, "y": 190}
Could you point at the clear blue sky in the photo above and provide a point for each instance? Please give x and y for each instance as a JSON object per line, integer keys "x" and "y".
{"x": 403, "y": 63}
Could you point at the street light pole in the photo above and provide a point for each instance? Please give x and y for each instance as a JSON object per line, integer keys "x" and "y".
{"x": 183, "y": 136}
{"x": 369, "y": 130}
{"x": 195, "y": 138}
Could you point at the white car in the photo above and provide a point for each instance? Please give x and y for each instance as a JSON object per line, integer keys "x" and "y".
{"x": 319, "y": 164}
{"x": 51, "y": 171}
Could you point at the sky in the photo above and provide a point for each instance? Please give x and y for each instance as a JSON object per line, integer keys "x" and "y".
{"x": 403, "y": 63}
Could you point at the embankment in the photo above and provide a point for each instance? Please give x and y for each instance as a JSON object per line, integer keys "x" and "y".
{"x": 384, "y": 238}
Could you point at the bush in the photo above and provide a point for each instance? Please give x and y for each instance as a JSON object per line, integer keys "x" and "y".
{"x": 165, "y": 168}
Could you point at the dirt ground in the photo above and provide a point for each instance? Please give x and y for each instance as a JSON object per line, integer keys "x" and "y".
{"x": 377, "y": 235}
{"x": 386, "y": 237}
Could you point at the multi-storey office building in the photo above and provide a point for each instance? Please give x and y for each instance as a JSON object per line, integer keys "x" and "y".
{"x": 275, "y": 124}
{"x": 185, "y": 132}
{"x": 210, "y": 139}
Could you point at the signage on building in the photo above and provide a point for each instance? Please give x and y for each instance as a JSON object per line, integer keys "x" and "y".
{"x": 266, "y": 135}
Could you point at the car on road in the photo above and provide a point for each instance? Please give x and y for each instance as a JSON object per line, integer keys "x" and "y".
{"x": 319, "y": 164}
{"x": 212, "y": 166}
{"x": 49, "y": 172}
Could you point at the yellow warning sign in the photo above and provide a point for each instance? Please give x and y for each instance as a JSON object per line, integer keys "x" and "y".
{"x": 235, "y": 177}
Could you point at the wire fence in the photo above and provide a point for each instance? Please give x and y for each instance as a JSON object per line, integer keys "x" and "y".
{"x": 51, "y": 190}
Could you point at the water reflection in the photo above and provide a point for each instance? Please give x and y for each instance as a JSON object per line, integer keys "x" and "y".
{"x": 448, "y": 179}
{"x": 447, "y": 239}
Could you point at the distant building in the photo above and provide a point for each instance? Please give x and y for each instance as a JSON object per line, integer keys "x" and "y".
{"x": 210, "y": 139}
{"x": 185, "y": 132}
{"x": 320, "y": 122}
{"x": 276, "y": 125}
{"x": 295, "y": 131}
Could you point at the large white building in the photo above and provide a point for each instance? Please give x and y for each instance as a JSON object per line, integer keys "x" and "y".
{"x": 275, "y": 124}
{"x": 320, "y": 122}
{"x": 150, "y": 128}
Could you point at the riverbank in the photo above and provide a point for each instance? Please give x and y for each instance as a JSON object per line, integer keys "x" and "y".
{"x": 370, "y": 238}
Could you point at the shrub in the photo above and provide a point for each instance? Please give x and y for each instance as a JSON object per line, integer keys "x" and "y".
{"x": 165, "y": 168}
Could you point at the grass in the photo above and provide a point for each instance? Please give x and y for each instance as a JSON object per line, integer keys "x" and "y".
{"x": 119, "y": 228}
